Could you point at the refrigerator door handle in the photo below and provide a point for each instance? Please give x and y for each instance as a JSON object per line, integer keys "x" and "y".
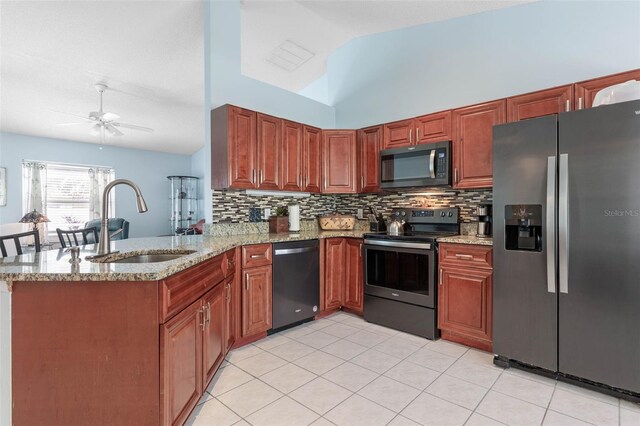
{"x": 563, "y": 223}
{"x": 551, "y": 224}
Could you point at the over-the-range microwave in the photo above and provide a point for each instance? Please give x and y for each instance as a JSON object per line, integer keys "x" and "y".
{"x": 416, "y": 166}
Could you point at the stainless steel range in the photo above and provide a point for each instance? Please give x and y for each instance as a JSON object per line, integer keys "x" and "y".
{"x": 401, "y": 271}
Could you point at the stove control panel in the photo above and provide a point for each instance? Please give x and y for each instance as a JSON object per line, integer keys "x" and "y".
{"x": 449, "y": 215}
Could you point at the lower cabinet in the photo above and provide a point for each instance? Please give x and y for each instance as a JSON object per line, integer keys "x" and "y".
{"x": 465, "y": 295}
{"x": 354, "y": 285}
{"x": 256, "y": 300}
{"x": 343, "y": 280}
{"x": 232, "y": 309}
{"x": 191, "y": 349}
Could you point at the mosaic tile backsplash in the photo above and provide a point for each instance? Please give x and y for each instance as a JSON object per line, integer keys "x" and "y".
{"x": 233, "y": 206}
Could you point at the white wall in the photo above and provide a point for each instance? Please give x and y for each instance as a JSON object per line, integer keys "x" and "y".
{"x": 432, "y": 67}
{"x": 228, "y": 85}
{"x": 148, "y": 169}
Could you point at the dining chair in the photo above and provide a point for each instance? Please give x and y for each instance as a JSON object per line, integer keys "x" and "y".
{"x": 77, "y": 237}
{"x": 16, "y": 240}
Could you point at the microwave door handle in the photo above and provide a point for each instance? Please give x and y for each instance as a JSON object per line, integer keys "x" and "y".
{"x": 432, "y": 164}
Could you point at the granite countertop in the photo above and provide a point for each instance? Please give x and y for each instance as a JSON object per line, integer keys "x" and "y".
{"x": 466, "y": 239}
{"x": 53, "y": 265}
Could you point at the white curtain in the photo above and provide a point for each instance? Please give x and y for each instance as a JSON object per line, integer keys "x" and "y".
{"x": 99, "y": 177}
{"x": 34, "y": 176}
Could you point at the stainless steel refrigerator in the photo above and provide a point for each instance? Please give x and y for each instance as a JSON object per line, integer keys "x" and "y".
{"x": 567, "y": 244}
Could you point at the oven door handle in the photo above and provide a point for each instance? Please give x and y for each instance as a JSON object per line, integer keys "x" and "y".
{"x": 398, "y": 244}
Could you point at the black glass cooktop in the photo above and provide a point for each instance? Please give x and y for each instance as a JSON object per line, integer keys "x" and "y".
{"x": 421, "y": 236}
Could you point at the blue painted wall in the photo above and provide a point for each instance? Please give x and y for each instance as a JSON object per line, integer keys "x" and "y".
{"x": 432, "y": 67}
{"x": 148, "y": 169}
{"x": 228, "y": 85}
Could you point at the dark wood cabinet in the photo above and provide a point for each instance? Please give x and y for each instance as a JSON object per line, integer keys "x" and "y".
{"x": 334, "y": 272}
{"x": 231, "y": 311}
{"x": 399, "y": 134}
{"x": 339, "y": 162}
{"x": 354, "y": 283}
{"x": 473, "y": 143}
{"x": 256, "y": 300}
{"x": 292, "y": 152}
{"x": 311, "y": 159}
{"x": 213, "y": 331}
{"x": 181, "y": 364}
{"x": 434, "y": 127}
{"x": 585, "y": 91}
{"x": 465, "y": 295}
{"x": 369, "y": 144}
{"x": 343, "y": 274}
{"x": 233, "y": 148}
{"x": 268, "y": 147}
{"x": 541, "y": 103}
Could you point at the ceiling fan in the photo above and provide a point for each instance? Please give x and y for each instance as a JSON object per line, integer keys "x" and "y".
{"x": 104, "y": 121}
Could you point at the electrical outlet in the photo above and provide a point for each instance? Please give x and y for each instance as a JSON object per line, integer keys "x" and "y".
{"x": 267, "y": 213}
{"x": 360, "y": 214}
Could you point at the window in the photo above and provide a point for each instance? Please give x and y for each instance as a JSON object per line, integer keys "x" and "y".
{"x": 70, "y": 195}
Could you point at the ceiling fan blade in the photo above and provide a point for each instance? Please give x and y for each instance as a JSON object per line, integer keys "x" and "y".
{"x": 113, "y": 131}
{"x": 95, "y": 129}
{"x": 109, "y": 116}
{"x": 133, "y": 127}
{"x": 68, "y": 124}
{"x": 73, "y": 115}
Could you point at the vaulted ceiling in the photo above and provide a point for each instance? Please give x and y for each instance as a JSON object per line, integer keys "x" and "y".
{"x": 312, "y": 30}
{"x": 149, "y": 53}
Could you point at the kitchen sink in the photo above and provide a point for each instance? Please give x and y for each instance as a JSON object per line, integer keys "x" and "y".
{"x": 146, "y": 257}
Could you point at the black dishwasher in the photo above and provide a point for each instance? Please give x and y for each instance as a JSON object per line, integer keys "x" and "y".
{"x": 296, "y": 282}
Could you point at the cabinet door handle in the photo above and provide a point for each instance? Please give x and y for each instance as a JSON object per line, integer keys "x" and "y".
{"x": 410, "y": 136}
{"x": 261, "y": 175}
{"x": 246, "y": 281}
{"x": 456, "y": 175}
{"x": 464, "y": 256}
{"x": 440, "y": 279}
{"x": 208, "y": 313}
{"x": 567, "y": 106}
{"x": 257, "y": 256}
{"x": 325, "y": 182}
{"x": 361, "y": 182}
{"x": 417, "y": 134}
{"x": 580, "y": 103}
{"x": 253, "y": 176}
{"x": 202, "y": 318}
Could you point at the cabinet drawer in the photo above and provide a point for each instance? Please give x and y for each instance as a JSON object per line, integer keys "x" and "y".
{"x": 466, "y": 255}
{"x": 229, "y": 262}
{"x": 256, "y": 255}
{"x": 182, "y": 289}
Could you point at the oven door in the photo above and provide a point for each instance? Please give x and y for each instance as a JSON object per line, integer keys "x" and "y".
{"x": 401, "y": 271}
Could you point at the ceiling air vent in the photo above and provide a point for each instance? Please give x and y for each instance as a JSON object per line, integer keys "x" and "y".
{"x": 289, "y": 56}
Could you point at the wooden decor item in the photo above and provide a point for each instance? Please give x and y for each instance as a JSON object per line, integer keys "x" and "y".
{"x": 278, "y": 224}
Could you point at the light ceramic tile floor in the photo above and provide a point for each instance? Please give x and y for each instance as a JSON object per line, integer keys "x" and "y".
{"x": 342, "y": 370}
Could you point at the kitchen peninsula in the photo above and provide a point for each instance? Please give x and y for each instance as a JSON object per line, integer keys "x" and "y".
{"x": 102, "y": 335}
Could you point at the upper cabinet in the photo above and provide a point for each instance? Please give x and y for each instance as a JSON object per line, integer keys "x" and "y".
{"x": 473, "y": 143}
{"x": 433, "y": 127}
{"x": 311, "y": 159}
{"x": 369, "y": 143}
{"x": 398, "y": 134}
{"x": 339, "y": 169}
{"x": 585, "y": 91}
{"x": 233, "y": 148}
{"x": 268, "y": 148}
{"x": 292, "y": 156}
{"x": 538, "y": 104}
{"x": 251, "y": 150}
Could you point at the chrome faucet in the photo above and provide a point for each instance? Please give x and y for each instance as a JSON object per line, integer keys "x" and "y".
{"x": 104, "y": 247}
